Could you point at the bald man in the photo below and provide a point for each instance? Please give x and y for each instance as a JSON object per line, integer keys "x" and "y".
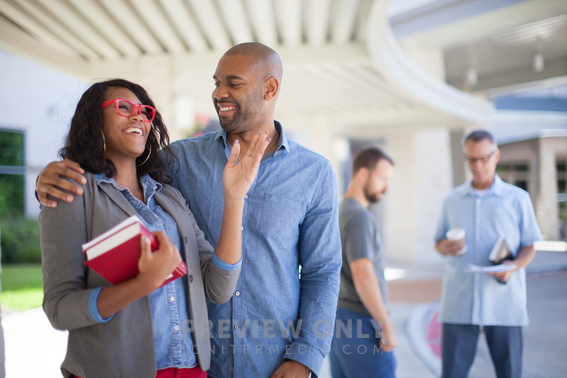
{"x": 279, "y": 321}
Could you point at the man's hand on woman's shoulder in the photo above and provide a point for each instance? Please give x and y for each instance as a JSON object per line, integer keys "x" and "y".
{"x": 50, "y": 182}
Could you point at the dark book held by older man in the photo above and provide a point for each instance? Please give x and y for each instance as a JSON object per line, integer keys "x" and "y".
{"x": 500, "y": 252}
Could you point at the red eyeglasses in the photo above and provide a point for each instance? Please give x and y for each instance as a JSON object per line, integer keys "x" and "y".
{"x": 126, "y": 108}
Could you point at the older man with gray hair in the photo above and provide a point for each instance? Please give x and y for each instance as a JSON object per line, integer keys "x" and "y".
{"x": 487, "y": 209}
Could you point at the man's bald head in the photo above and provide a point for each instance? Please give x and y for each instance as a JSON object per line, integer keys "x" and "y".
{"x": 267, "y": 58}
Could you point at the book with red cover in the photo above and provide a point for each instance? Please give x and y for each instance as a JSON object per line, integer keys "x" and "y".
{"x": 115, "y": 254}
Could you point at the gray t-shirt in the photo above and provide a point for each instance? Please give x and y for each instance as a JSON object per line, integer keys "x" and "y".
{"x": 359, "y": 239}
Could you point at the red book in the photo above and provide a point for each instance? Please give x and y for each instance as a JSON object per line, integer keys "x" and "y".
{"x": 115, "y": 254}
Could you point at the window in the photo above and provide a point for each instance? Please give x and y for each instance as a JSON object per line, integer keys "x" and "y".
{"x": 12, "y": 170}
{"x": 515, "y": 174}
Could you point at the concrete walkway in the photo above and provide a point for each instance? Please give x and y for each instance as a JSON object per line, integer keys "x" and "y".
{"x": 414, "y": 295}
{"x": 33, "y": 347}
{"x": 545, "y": 339}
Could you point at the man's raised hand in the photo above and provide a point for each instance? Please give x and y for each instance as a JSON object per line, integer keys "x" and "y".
{"x": 240, "y": 172}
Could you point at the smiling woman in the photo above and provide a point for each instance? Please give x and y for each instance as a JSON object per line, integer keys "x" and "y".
{"x": 92, "y": 143}
{"x": 132, "y": 328}
{"x": 125, "y": 130}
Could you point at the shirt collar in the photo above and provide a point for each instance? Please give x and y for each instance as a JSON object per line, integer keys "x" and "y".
{"x": 102, "y": 177}
{"x": 496, "y": 188}
{"x": 282, "y": 143}
{"x": 148, "y": 182}
{"x": 149, "y": 185}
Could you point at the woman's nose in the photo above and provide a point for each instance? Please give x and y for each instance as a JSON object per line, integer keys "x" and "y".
{"x": 137, "y": 115}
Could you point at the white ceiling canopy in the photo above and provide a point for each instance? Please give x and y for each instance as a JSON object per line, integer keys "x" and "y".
{"x": 339, "y": 56}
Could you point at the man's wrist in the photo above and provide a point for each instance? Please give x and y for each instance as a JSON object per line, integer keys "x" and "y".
{"x": 385, "y": 324}
{"x": 306, "y": 354}
{"x": 299, "y": 365}
{"x": 438, "y": 247}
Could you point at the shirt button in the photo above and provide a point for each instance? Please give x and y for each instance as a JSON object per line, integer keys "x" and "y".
{"x": 190, "y": 278}
{"x": 172, "y": 298}
{"x": 245, "y": 196}
{"x": 176, "y": 328}
{"x": 242, "y": 228}
{"x": 236, "y": 327}
{"x": 237, "y": 293}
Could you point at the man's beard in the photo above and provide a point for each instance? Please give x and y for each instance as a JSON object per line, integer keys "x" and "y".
{"x": 372, "y": 197}
{"x": 234, "y": 123}
{"x": 247, "y": 113}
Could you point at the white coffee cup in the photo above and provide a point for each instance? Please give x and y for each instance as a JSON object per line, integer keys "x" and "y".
{"x": 457, "y": 233}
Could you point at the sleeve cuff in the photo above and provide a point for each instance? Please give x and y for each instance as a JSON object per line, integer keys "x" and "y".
{"x": 93, "y": 308}
{"x": 224, "y": 265}
{"x": 528, "y": 242}
{"x": 306, "y": 354}
{"x": 438, "y": 237}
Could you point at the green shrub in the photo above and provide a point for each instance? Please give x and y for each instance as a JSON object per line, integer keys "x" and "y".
{"x": 20, "y": 240}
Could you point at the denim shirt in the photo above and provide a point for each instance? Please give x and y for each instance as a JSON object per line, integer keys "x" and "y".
{"x": 475, "y": 298}
{"x": 168, "y": 303}
{"x": 290, "y": 220}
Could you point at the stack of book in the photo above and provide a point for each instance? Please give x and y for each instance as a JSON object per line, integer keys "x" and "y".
{"x": 115, "y": 254}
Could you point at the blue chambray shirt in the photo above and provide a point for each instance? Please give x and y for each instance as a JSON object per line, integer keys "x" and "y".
{"x": 290, "y": 219}
{"x": 168, "y": 306}
{"x": 476, "y": 298}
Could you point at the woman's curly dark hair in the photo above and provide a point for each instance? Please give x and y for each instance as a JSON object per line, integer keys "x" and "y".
{"x": 85, "y": 144}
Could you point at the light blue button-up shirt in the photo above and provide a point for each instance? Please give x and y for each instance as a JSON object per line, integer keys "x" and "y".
{"x": 168, "y": 304}
{"x": 476, "y": 298}
{"x": 290, "y": 219}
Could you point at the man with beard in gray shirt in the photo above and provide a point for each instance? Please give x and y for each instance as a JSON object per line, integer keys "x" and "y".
{"x": 366, "y": 352}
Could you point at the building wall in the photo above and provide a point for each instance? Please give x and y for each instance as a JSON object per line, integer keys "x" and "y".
{"x": 541, "y": 155}
{"x": 408, "y": 213}
{"x": 39, "y": 101}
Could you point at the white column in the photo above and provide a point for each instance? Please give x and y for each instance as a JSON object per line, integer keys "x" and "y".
{"x": 547, "y": 210}
{"x": 325, "y": 141}
{"x": 155, "y": 74}
{"x": 183, "y": 115}
{"x": 422, "y": 178}
{"x": 457, "y": 157}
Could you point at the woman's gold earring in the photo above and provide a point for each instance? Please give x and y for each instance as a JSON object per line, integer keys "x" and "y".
{"x": 103, "y": 142}
{"x": 149, "y": 153}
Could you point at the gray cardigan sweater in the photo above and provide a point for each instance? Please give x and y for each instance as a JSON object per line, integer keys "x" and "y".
{"x": 124, "y": 346}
